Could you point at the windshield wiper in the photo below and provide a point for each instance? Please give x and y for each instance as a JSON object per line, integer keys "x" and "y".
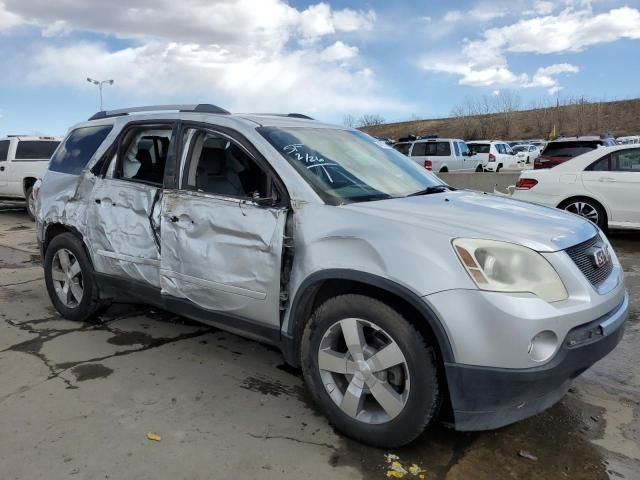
{"x": 431, "y": 189}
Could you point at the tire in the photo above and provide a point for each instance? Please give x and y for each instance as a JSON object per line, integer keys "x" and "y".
{"x": 498, "y": 168}
{"x": 587, "y": 208}
{"x": 31, "y": 204}
{"x": 413, "y": 385}
{"x": 479, "y": 168}
{"x": 71, "y": 308}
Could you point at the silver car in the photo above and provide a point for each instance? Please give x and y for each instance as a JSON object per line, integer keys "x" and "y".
{"x": 403, "y": 300}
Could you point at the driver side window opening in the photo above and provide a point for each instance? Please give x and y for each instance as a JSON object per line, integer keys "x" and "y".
{"x": 144, "y": 154}
{"x": 215, "y": 164}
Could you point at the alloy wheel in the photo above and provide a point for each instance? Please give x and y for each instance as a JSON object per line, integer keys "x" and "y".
{"x": 364, "y": 371}
{"x": 585, "y": 210}
{"x": 66, "y": 274}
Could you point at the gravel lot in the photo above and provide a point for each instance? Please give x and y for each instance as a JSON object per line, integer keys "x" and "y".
{"x": 78, "y": 400}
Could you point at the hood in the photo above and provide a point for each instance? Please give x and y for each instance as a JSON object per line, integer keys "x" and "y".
{"x": 463, "y": 213}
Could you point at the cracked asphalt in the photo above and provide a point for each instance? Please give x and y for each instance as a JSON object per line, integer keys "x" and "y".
{"x": 78, "y": 399}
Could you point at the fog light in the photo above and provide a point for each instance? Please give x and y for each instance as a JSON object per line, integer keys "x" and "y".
{"x": 542, "y": 346}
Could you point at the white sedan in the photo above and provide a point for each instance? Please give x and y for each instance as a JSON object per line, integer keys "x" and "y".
{"x": 526, "y": 152}
{"x": 602, "y": 185}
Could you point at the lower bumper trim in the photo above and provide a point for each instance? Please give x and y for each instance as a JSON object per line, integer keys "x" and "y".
{"x": 485, "y": 398}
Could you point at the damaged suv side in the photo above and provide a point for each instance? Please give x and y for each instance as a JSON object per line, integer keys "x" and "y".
{"x": 398, "y": 296}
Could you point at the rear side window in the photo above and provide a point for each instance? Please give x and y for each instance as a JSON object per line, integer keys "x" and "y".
{"x": 403, "y": 148}
{"x": 438, "y": 149}
{"x": 479, "y": 147}
{"x": 457, "y": 148}
{"x": 78, "y": 148}
{"x": 419, "y": 149}
{"x": 4, "y": 150}
{"x": 36, "y": 149}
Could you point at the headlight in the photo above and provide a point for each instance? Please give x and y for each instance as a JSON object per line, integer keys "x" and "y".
{"x": 505, "y": 267}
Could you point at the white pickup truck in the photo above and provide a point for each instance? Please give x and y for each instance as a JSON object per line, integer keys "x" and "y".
{"x": 23, "y": 160}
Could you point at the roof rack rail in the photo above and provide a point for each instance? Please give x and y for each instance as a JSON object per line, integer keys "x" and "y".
{"x": 198, "y": 108}
{"x": 299, "y": 115}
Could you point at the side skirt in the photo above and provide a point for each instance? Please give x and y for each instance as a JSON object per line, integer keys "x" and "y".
{"x": 118, "y": 288}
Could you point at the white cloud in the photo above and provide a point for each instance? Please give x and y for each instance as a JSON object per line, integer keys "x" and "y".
{"x": 249, "y": 55}
{"x": 495, "y": 93}
{"x": 339, "y": 51}
{"x": 545, "y": 76}
{"x": 453, "y": 16}
{"x": 540, "y": 7}
{"x": 483, "y": 62}
{"x": 555, "y": 89}
{"x": 298, "y": 81}
{"x": 8, "y": 19}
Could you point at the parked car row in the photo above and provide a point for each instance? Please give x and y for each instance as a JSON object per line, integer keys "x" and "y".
{"x": 402, "y": 300}
{"x": 453, "y": 154}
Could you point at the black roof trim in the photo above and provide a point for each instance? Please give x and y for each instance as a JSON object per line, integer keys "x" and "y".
{"x": 199, "y": 108}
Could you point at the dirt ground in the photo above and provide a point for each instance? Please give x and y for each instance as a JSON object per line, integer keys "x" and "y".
{"x": 78, "y": 400}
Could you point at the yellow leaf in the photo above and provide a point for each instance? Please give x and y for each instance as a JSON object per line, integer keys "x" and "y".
{"x": 154, "y": 436}
{"x": 394, "y": 474}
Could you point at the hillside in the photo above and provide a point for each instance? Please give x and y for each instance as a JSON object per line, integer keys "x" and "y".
{"x": 579, "y": 118}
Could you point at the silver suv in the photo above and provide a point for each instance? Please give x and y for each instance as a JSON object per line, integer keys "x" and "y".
{"x": 401, "y": 299}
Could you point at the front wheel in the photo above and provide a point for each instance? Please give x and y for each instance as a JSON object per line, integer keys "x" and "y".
{"x": 374, "y": 375}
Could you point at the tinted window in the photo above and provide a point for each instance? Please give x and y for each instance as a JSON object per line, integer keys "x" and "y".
{"x": 438, "y": 149}
{"x": 626, "y": 161}
{"x": 36, "y": 149}
{"x": 78, "y": 148}
{"x": 419, "y": 149}
{"x": 464, "y": 150}
{"x": 500, "y": 148}
{"x": 457, "y": 148}
{"x": 403, "y": 147}
{"x": 4, "y": 150}
{"x": 479, "y": 147}
{"x": 601, "y": 165}
{"x": 569, "y": 149}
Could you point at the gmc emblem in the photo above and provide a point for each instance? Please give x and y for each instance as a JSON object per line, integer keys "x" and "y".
{"x": 600, "y": 256}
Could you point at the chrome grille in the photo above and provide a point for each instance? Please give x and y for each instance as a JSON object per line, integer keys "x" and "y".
{"x": 581, "y": 256}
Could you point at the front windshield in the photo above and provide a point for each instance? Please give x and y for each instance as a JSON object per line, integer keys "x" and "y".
{"x": 346, "y": 166}
{"x": 520, "y": 148}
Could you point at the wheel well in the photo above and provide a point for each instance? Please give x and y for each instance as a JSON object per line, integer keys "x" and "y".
{"x": 27, "y": 183}
{"x": 321, "y": 291}
{"x": 444, "y": 170}
{"x": 582, "y": 197}
{"x": 55, "y": 229}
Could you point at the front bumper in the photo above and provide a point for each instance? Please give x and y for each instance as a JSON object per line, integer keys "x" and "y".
{"x": 485, "y": 398}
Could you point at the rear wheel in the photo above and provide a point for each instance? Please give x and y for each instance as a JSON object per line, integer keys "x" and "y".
{"x": 370, "y": 370}
{"x": 69, "y": 278}
{"x": 498, "y": 168}
{"x": 587, "y": 208}
{"x": 31, "y": 203}
{"x": 479, "y": 168}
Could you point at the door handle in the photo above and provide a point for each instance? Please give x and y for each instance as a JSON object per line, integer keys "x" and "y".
{"x": 173, "y": 219}
{"x": 607, "y": 179}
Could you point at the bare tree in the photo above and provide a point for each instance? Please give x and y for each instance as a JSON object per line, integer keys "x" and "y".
{"x": 349, "y": 120}
{"x": 506, "y": 103}
{"x": 370, "y": 120}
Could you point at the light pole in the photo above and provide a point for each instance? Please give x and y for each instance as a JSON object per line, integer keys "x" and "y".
{"x": 100, "y": 83}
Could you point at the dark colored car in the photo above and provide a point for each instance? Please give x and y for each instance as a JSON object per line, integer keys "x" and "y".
{"x": 563, "y": 149}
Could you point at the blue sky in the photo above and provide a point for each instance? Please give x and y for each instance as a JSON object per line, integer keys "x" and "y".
{"x": 401, "y": 59}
